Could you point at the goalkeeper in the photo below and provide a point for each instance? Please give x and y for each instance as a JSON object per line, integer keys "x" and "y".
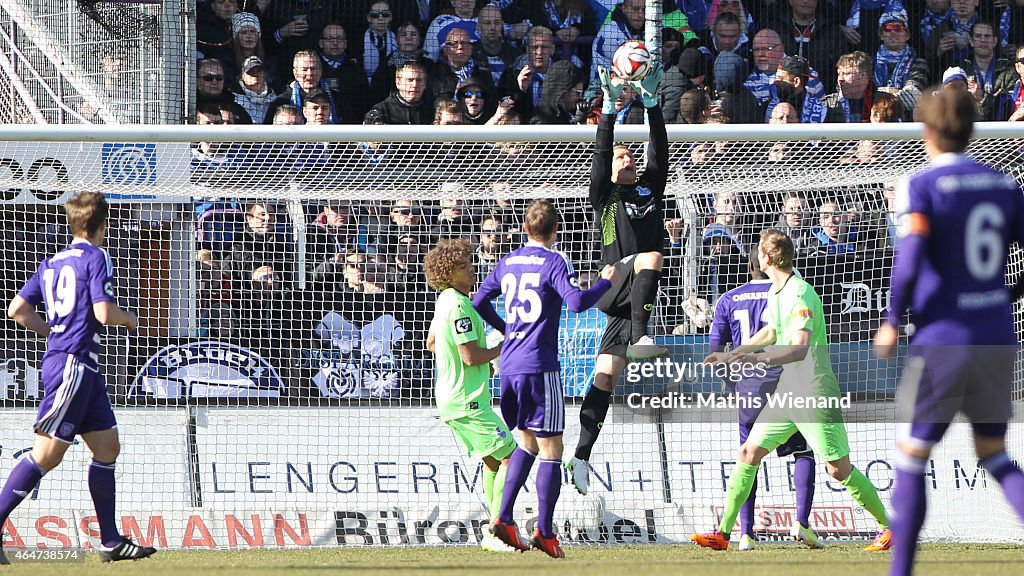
{"x": 628, "y": 210}
{"x": 794, "y": 320}
{"x": 456, "y": 337}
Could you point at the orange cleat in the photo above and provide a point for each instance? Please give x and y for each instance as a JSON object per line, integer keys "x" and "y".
{"x": 549, "y": 546}
{"x": 509, "y": 534}
{"x": 714, "y": 540}
{"x": 882, "y": 541}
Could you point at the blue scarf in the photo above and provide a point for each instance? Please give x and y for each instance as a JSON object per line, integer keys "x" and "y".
{"x": 893, "y": 68}
{"x": 333, "y": 64}
{"x": 557, "y": 23}
{"x": 813, "y": 112}
{"x": 1004, "y": 25}
{"x": 930, "y": 20}
{"x": 622, "y": 115}
{"x": 296, "y": 98}
{"x": 371, "y": 56}
{"x": 759, "y": 83}
{"x": 854, "y": 20}
{"x": 986, "y": 77}
{"x": 464, "y": 72}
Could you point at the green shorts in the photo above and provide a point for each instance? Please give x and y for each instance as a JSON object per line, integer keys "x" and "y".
{"x": 483, "y": 434}
{"x": 828, "y": 440}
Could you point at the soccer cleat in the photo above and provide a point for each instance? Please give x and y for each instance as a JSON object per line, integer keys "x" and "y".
{"x": 714, "y": 540}
{"x": 644, "y": 349}
{"x": 805, "y": 536}
{"x": 126, "y": 550}
{"x": 492, "y": 543}
{"x": 549, "y": 546}
{"x": 579, "y": 474}
{"x": 509, "y": 534}
{"x": 747, "y": 542}
{"x": 882, "y": 541}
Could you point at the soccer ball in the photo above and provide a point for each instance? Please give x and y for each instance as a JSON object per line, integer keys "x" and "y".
{"x": 632, "y": 61}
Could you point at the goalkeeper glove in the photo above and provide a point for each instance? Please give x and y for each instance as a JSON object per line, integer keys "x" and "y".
{"x": 648, "y": 87}
{"x": 611, "y": 87}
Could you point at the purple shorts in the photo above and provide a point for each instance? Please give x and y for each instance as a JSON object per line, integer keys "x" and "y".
{"x": 941, "y": 381}
{"x": 75, "y": 398}
{"x": 533, "y": 402}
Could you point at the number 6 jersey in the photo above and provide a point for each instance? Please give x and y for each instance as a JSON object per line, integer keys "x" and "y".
{"x": 69, "y": 283}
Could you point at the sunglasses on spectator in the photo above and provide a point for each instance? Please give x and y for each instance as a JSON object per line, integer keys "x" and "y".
{"x": 472, "y": 94}
{"x": 1020, "y": 60}
{"x": 894, "y": 27}
{"x": 212, "y": 77}
{"x": 405, "y": 211}
{"x": 384, "y": 14}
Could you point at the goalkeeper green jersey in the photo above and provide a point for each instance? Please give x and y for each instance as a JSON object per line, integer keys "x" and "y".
{"x": 794, "y": 307}
{"x": 460, "y": 389}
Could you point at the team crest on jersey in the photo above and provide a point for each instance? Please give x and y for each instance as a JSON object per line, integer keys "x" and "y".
{"x": 207, "y": 369}
{"x": 643, "y": 191}
{"x": 463, "y": 325}
{"x": 574, "y": 281}
{"x": 804, "y": 313}
{"x": 108, "y": 288}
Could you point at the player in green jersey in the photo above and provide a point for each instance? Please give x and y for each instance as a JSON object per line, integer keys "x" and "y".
{"x": 463, "y": 368}
{"x": 808, "y": 393}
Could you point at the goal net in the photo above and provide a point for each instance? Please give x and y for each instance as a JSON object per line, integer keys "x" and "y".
{"x": 278, "y": 394}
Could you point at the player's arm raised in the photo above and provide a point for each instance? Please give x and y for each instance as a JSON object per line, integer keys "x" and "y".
{"x": 657, "y": 150}
{"x": 601, "y": 165}
{"x": 24, "y": 313}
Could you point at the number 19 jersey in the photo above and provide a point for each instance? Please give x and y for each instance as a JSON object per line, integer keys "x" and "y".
{"x": 69, "y": 282}
{"x": 970, "y": 214}
{"x": 534, "y": 281}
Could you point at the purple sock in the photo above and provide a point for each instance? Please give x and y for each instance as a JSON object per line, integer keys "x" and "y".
{"x": 515, "y": 478}
{"x": 747, "y": 511}
{"x": 1009, "y": 477}
{"x": 549, "y": 485}
{"x": 101, "y": 486}
{"x": 23, "y": 479}
{"x": 909, "y": 505}
{"x": 803, "y": 482}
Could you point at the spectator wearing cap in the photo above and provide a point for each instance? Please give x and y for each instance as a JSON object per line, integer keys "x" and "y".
{"x": 462, "y": 15}
{"x": 768, "y": 51}
{"x": 408, "y": 104}
{"x": 245, "y": 29}
{"x": 690, "y": 72}
{"x": 626, "y": 23}
{"x": 859, "y": 26}
{"x": 987, "y": 72}
{"x": 851, "y": 103}
{"x": 252, "y": 92}
{"x": 737, "y": 102}
{"x": 725, "y": 246}
{"x": 810, "y": 28}
{"x": 898, "y": 69}
{"x": 308, "y": 73}
{"x": 562, "y": 91}
{"x": 456, "y": 64}
{"x": 949, "y": 42}
{"x": 316, "y": 108}
{"x": 342, "y": 72}
{"x": 726, "y": 35}
{"x": 493, "y": 53}
{"x": 210, "y": 88}
{"x": 791, "y": 86}
{"x": 477, "y": 104}
{"x": 494, "y": 244}
{"x": 954, "y": 78}
{"x": 213, "y": 29}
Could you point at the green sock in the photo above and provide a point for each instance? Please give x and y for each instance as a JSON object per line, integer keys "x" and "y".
{"x": 489, "y": 485}
{"x": 740, "y": 483}
{"x": 498, "y": 491}
{"x": 863, "y": 492}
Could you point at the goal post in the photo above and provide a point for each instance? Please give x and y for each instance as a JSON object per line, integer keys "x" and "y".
{"x": 278, "y": 393}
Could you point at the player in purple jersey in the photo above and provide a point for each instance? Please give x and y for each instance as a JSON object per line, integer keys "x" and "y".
{"x": 738, "y": 316}
{"x": 957, "y": 220}
{"x": 76, "y": 287}
{"x": 534, "y": 281}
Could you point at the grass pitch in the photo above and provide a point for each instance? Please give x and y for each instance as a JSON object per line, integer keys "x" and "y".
{"x": 768, "y": 560}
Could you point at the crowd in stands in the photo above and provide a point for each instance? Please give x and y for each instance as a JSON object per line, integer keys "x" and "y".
{"x": 450, "y": 62}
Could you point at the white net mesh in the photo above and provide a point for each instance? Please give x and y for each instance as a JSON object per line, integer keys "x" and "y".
{"x": 278, "y": 392}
